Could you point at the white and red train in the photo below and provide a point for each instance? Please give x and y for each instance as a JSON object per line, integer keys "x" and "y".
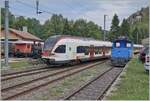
{"x": 69, "y": 49}
{"x": 62, "y": 49}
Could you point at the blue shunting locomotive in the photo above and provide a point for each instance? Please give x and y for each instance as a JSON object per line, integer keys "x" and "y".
{"x": 121, "y": 53}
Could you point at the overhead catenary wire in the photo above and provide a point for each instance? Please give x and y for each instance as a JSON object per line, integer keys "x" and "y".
{"x": 28, "y": 5}
{"x": 48, "y": 12}
{"x": 24, "y": 10}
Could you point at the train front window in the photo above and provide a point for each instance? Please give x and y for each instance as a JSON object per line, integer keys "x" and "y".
{"x": 49, "y": 43}
{"x": 117, "y": 44}
{"x": 61, "y": 49}
{"x": 128, "y": 45}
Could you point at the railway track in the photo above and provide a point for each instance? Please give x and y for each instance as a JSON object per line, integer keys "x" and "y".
{"x": 34, "y": 84}
{"x": 56, "y": 72}
{"x": 97, "y": 87}
{"x": 22, "y": 71}
{"x": 31, "y": 72}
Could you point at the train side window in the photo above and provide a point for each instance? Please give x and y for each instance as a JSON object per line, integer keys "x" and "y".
{"x": 80, "y": 49}
{"x": 117, "y": 44}
{"x": 86, "y": 50}
{"x": 61, "y": 49}
{"x": 96, "y": 50}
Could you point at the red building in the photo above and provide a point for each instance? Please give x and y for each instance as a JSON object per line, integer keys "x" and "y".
{"x": 20, "y": 41}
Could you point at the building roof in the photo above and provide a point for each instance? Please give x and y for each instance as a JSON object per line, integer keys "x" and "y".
{"x": 24, "y": 35}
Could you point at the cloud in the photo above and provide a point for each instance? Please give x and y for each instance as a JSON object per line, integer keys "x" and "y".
{"x": 122, "y": 8}
{"x": 74, "y": 9}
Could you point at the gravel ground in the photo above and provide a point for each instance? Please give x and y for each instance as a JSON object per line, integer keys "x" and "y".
{"x": 18, "y": 80}
{"x": 28, "y": 86}
{"x": 14, "y": 81}
{"x": 61, "y": 88}
{"x": 115, "y": 84}
{"x": 96, "y": 88}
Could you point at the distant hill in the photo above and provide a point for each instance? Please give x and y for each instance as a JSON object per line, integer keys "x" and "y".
{"x": 139, "y": 16}
{"x": 140, "y": 21}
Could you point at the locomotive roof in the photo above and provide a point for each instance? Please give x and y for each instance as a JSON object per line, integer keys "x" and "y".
{"x": 122, "y": 39}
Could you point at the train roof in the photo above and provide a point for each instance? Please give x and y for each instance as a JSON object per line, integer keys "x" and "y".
{"x": 138, "y": 45}
{"x": 80, "y": 40}
{"x": 70, "y": 36}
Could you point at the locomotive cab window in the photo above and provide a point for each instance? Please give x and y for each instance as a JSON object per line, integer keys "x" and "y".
{"x": 117, "y": 44}
{"x": 128, "y": 45}
{"x": 61, "y": 49}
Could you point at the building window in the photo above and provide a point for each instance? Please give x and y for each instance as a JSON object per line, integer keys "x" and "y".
{"x": 61, "y": 49}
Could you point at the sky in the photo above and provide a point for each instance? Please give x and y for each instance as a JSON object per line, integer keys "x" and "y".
{"x": 91, "y": 10}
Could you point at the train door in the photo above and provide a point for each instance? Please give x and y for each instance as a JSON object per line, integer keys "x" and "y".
{"x": 70, "y": 51}
{"x": 91, "y": 51}
{"x": 61, "y": 52}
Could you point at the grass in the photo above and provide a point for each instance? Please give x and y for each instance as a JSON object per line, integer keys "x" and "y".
{"x": 19, "y": 64}
{"x": 23, "y": 63}
{"x": 134, "y": 83}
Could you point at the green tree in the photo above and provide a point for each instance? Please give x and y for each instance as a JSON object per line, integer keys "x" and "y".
{"x": 79, "y": 28}
{"x": 114, "y": 31}
{"x": 125, "y": 28}
{"x": 20, "y": 22}
{"x": 67, "y": 27}
{"x": 94, "y": 30}
{"x": 140, "y": 26}
{"x": 11, "y": 18}
{"x": 134, "y": 35}
{"x": 57, "y": 24}
{"x": 54, "y": 26}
